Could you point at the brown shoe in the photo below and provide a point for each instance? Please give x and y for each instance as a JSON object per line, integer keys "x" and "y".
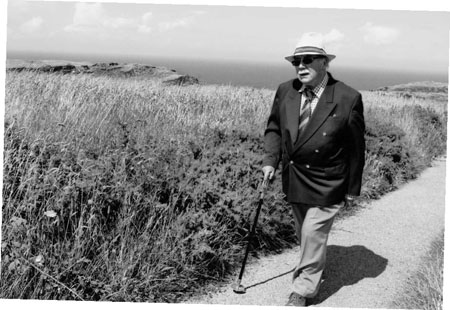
{"x": 296, "y": 300}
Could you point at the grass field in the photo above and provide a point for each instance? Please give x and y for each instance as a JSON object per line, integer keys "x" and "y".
{"x": 128, "y": 190}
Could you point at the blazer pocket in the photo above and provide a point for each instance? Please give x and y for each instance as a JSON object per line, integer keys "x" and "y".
{"x": 335, "y": 118}
{"x": 336, "y": 170}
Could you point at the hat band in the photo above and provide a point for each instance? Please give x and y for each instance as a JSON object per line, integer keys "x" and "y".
{"x": 309, "y": 49}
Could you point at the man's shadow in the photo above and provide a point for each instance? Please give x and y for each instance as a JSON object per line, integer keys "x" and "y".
{"x": 347, "y": 266}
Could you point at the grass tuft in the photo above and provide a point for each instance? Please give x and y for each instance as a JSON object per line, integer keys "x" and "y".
{"x": 424, "y": 289}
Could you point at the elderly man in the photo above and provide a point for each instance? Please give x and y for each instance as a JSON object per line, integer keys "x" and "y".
{"x": 316, "y": 129}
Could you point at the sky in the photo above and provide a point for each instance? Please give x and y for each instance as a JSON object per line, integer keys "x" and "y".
{"x": 381, "y": 39}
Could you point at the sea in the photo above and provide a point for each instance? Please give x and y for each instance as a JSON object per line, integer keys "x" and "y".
{"x": 251, "y": 74}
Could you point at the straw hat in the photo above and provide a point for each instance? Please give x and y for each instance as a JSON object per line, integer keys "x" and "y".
{"x": 310, "y": 43}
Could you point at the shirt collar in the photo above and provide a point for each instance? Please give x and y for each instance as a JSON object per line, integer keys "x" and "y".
{"x": 318, "y": 90}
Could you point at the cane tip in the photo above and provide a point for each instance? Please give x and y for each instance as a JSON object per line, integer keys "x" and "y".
{"x": 239, "y": 289}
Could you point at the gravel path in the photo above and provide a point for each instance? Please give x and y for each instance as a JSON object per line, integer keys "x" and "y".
{"x": 369, "y": 255}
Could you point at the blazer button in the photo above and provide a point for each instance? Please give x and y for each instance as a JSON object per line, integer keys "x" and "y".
{"x": 291, "y": 162}
{"x": 317, "y": 151}
{"x": 307, "y": 166}
{"x": 324, "y": 134}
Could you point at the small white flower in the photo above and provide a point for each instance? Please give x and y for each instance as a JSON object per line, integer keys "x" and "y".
{"x": 39, "y": 259}
{"x": 50, "y": 213}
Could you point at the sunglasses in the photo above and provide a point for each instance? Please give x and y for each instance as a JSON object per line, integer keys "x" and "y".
{"x": 306, "y": 60}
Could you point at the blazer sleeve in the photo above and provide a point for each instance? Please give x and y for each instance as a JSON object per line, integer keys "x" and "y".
{"x": 272, "y": 135}
{"x": 357, "y": 146}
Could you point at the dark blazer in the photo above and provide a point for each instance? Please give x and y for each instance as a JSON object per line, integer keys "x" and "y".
{"x": 326, "y": 161}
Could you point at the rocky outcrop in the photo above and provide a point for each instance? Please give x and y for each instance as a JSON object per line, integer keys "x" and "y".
{"x": 112, "y": 69}
{"x": 420, "y": 87}
{"x": 182, "y": 80}
{"x": 423, "y": 90}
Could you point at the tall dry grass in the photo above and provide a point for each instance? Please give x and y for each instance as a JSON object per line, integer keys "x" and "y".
{"x": 68, "y": 104}
{"x": 417, "y": 117}
{"x": 98, "y": 177}
{"x": 424, "y": 288}
{"x": 136, "y": 191}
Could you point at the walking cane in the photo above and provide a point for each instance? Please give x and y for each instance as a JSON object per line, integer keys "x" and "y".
{"x": 237, "y": 287}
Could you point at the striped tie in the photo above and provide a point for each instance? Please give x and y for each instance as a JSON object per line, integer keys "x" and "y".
{"x": 305, "y": 111}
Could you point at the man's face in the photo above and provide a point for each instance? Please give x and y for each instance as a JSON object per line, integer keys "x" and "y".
{"x": 311, "y": 74}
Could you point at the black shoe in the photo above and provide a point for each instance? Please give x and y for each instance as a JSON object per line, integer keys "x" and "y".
{"x": 296, "y": 300}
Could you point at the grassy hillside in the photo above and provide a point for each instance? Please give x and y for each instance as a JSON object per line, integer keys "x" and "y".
{"x": 141, "y": 191}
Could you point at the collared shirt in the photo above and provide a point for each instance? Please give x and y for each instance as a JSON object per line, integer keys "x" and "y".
{"x": 318, "y": 90}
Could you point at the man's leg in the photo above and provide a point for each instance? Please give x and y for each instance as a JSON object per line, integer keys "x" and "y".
{"x": 313, "y": 225}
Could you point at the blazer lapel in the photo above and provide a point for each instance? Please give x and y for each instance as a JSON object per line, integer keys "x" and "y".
{"x": 293, "y": 111}
{"x": 324, "y": 107}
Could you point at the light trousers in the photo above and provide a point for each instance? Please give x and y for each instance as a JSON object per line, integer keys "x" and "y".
{"x": 312, "y": 227}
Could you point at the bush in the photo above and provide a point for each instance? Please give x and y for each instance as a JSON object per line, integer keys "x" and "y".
{"x": 389, "y": 160}
{"x": 192, "y": 203}
{"x": 431, "y": 139}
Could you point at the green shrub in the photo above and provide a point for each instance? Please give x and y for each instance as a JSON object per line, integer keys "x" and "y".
{"x": 194, "y": 204}
{"x": 389, "y": 160}
{"x": 431, "y": 127}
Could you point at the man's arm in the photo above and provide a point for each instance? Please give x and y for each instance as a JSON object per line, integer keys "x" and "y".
{"x": 357, "y": 147}
{"x": 272, "y": 140}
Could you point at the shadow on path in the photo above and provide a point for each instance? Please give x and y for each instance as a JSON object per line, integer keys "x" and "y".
{"x": 270, "y": 279}
{"x": 347, "y": 266}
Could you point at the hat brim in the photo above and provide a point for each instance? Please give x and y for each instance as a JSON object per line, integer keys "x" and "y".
{"x": 292, "y": 57}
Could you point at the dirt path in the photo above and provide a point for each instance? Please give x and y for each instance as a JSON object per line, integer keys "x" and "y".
{"x": 369, "y": 254}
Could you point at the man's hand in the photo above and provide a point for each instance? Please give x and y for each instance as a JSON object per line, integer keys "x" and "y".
{"x": 268, "y": 172}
